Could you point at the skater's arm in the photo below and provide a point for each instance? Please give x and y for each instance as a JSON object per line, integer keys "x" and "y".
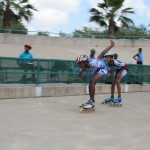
{"x": 80, "y": 75}
{"x": 109, "y": 73}
{"x": 107, "y": 49}
{"x": 118, "y": 75}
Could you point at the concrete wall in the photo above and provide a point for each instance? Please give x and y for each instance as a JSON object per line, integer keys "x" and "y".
{"x": 52, "y": 90}
{"x": 69, "y": 48}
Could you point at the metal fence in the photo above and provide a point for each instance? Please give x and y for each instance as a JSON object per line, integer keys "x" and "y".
{"x": 38, "y": 71}
{"x": 62, "y": 34}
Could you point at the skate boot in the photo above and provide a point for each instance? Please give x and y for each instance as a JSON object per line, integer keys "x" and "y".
{"x": 108, "y": 100}
{"x": 88, "y": 107}
{"x": 85, "y": 103}
{"x": 116, "y": 102}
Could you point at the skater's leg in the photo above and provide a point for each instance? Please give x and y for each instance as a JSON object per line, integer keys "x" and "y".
{"x": 91, "y": 101}
{"x": 110, "y": 99}
{"x": 117, "y": 101}
{"x": 113, "y": 88}
{"x": 117, "y": 81}
{"x": 92, "y": 86}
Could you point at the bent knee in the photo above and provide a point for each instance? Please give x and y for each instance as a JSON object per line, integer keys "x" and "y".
{"x": 93, "y": 81}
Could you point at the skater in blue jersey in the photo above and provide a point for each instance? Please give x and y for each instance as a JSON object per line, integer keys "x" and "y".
{"x": 120, "y": 71}
{"x": 99, "y": 66}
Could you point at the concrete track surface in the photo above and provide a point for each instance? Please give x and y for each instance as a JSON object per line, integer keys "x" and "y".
{"x": 55, "y": 123}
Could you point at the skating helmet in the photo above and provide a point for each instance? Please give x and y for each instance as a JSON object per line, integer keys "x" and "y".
{"x": 28, "y": 45}
{"x": 81, "y": 58}
{"x": 108, "y": 54}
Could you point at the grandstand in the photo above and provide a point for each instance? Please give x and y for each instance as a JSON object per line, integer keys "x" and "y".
{"x": 69, "y": 48}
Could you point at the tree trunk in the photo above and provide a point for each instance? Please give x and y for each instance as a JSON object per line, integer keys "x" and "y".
{"x": 111, "y": 27}
{"x": 6, "y": 20}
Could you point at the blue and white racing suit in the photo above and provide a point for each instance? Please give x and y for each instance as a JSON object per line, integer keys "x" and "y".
{"x": 99, "y": 66}
{"x": 118, "y": 65}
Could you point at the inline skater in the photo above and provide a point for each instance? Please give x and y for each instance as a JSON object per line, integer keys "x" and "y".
{"x": 100, "y": 68}
{"x": 120, "y": 71}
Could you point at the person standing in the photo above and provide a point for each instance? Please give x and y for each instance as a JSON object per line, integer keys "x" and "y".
{"x": 26, "y": 53}
{"x": 139, "y": 57}
{"x": 25, "y": 61}
{"x": 92, "y": 55}
{"x": 115, "y": 56}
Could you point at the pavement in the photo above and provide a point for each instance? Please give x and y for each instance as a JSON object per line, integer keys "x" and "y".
{"x": 55, "y": 123}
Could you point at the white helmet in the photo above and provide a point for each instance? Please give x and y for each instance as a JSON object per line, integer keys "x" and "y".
{"x": 81, "y": 58}
{"x": 108, "y": 54}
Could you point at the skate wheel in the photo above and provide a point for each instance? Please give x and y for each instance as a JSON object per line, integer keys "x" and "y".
{"x": 93, "y": 110}
{"x": 87, "y": 110}
{"x": 81, "y": 110}
{"x": 117, "y": 105}
{"x": 81, "y": 106}
{"x": 112, "y": 104}
{"x": 103, "y": 102}
{"x": 121, "y": 104}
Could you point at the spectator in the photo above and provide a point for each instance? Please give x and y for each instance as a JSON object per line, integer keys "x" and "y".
{"x": 92, "y": 55}
{"x": 115, "y": 56}
{"x": 26, "y": 53}
{"x": 26, "y": 64}
{"x": 139, "y": 57}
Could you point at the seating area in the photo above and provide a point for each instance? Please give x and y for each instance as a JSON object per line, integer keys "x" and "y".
{"x": 11, "y": 45}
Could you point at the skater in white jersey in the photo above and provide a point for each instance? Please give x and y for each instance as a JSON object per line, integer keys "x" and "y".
{"x": 120, "y": 71}
{"x": 100, "y": 70}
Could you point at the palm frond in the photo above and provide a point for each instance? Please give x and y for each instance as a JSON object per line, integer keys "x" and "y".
{"x": 103, "y": 23}
{"x": 94, "y": 11}
{"x": 95, "y": 19}
{"x": 102, "y": 5}
{"x": 30, "y": 7}
{"x": 126, "y": 22}
{"x": 24, "y": 1}
{"x": 128, "y": 11}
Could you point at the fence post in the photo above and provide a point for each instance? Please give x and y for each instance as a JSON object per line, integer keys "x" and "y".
{"x": 38, "y": 88}
{"x": 38, "y": 73}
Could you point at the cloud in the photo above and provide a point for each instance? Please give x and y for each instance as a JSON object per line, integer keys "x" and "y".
{"x": 48, "y": 18}
{"x": 51, "y": 13}
{"x": 139, "y": 7}
{"x": 64, "y": 5}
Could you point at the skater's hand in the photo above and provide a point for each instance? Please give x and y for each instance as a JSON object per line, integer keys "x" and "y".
{"x": 78, "y": 79}
{"x": 108, "y": 75}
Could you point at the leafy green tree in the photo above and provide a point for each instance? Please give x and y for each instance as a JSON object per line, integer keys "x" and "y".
{"x": 109, "y": 13}
{"x": 63, "y": 34}
{"x": 40, "y": 33}
{"x": 87, "y": 32}
{"x": 15, "y": 10}
{"x": 140, "y": 30}
{"x": 18, "y": 28}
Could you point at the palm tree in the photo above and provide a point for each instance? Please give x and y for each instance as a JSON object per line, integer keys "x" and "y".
{"x": 15, "y": 10}
{"x": 109, "y": 13}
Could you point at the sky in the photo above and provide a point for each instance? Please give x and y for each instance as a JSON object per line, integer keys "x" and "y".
{"x": 67, "y": 15}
